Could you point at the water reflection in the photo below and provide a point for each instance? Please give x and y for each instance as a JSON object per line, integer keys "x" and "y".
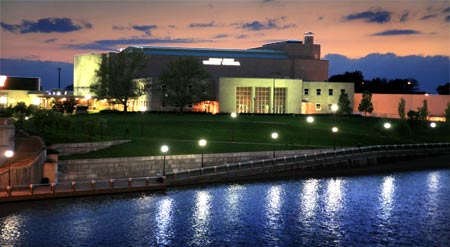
{"x": 10, "y": 229}
{"x": 386, "y": 197}
{"x": 433, "y": 193}
{"x": 233, "y": 198}
{"x": 201, "y": 218}
{"x": 309, "y": 197}
{"x": 272, "y": 211}
{"x": 164, "y": 221}
{"x": 333, "y": 204}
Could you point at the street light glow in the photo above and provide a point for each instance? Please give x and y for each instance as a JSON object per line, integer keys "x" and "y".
{"x": 164, "y": 148}
{"x": 274, "y": 135}
{"x": 387, "y": 125}
{"x": 233, "y": 115}
{"x": 143, "y": 109}
{"x": 3, "y": 80}
{"x": 334, "y": 129}
{"x": 334, "y": 107}
{"x": 433, "y": 125}
{"x": 310, "y": 119}
{"x": 202, "y": 143}
{"x": 9, "y": 153}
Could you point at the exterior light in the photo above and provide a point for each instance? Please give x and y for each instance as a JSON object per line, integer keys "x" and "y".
{"x": 164, "y": 150}
{"x": 233, "y": 115}
{"x": 3, "y": 100}
{"x": 387, "y": 125}
{"x": 9, "y": 154}
{"x": 274, "y": 136}
{"x": 334, "y": 129}
{"x": 334, "y": 107}
{"x": 36, "y": 101}
{"x": 202, "y": 143}
{"x": 433, "y": 125}
{"x": 310, "y": 119}
{"x": 142, "y": 109}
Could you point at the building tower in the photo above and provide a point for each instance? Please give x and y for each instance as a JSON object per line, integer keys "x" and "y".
{"x": 309, "y": 38}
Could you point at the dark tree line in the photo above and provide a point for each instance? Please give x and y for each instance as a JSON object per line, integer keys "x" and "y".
{"x": 377, "y": 85}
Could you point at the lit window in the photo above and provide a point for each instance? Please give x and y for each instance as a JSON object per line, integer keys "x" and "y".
{"x": 330, "y": 92}
{"x": 318, "y": 107}
{"x": 318, "y": 91}
{"x": 306, "y": 91}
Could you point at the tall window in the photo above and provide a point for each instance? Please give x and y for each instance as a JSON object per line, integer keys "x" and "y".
{"x": 318, "y": 91}
{"x": 243, "y": 99}
{"x": 330, "y": 92}
{"x": 280, "y": 100}
{"x": 306, "y": 91}
{"x": 262, "y": 99}
{"x": 318, "y": 107}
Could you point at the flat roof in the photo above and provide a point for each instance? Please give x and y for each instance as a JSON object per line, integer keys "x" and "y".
{"x": 212, "y": 52}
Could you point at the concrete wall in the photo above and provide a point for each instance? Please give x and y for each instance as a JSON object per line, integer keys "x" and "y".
{"x": 76, "y": 148}
{"x": 24, "y": 172}
{"x": 87, "y": 169}
{"x": 324, "y": 99}
{"x": 7, "y": 133}
{"x": 386, "y": 105}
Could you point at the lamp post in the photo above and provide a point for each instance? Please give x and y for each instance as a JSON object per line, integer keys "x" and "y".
{"x": 432, "y": 126}
{"x": 309, "y": 120}
{"x": 142, "y": 109}
{"x": 164, "y": 150}
{"x": 9, "y": 154}
{"x": 274, "y": 137}
{"x": 334, "y": 130}
{"x": 59, "y": 78}
{"x": 202, "y": 144}
{"x": 233, "y": 116}
{"x": 387, "y": 125}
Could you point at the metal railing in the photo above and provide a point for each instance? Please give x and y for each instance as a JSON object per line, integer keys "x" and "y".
{"x": 77, "y": 186}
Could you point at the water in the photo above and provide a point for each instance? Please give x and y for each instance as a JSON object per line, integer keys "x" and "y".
{"x": 398, "y": 209}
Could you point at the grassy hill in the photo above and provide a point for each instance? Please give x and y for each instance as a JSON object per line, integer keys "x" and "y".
{"x": 181, "y": 132}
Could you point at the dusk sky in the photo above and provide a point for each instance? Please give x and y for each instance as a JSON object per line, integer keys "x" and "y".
{"x": 34, "y": 33}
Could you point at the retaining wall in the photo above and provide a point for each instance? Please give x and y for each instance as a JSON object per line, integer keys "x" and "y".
{"x": 77, "y": 148}
{"x": 86, "y": 169}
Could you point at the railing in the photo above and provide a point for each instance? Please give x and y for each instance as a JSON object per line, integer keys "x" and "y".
{"x": 302, "y": 161}
{"x": 80, "y": 186}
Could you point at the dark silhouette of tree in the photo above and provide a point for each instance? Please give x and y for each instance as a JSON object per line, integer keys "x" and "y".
{"x": 344, "y": 107}
{"x": 184, "y": 82}
{"x": 401, "y": 108}
{"x": 356, "y": 77}
{"x": 447, "y": 113}
{"x": 118, "y": 76}
{"x": 444, "y": 89}
{"x": 366, "y": 105}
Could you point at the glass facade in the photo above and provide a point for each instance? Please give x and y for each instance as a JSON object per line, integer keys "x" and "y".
{"x": 243, "y": 99}
{"x": 262, "y": 99}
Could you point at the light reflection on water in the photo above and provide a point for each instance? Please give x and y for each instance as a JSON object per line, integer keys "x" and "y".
{"x": 400, "y": 209}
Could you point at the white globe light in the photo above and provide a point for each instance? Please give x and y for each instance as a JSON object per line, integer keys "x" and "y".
{"x": 233, "y": 115}
{"x": 334, "y": 129}
{"x": 274, "y": 135}
{"x": 309, "y": 119}
{"x": 387, "y": 125}
{"x": 9, "y": 153}
{"x": 164, "y": 148}
{"x": 202, "y": 142}
{"x": 334, "y": 107}
{"x": 433, "y": 125}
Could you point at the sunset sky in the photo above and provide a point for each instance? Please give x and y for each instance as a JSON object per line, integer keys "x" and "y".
{"x": 55, "y": 31}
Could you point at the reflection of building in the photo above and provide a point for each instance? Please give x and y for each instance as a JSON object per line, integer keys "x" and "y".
{"x": 266, "y": 79}
{"x": 386, "y": 105}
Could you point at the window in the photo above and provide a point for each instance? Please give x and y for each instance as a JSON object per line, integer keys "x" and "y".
{"x": 342, "y": 91}
{"x": 318, "y": 107}
{"x": 262, "y": 95}
{"x": 330, "y": 92}
{"x": 306, "y": 91}
{"x": 243, "y": 99}
{"x": 318, "y": 91}
{"x": 280, "y": 100}
{"x": 329, "y": 107}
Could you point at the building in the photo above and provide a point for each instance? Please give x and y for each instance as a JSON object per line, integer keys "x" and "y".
{"x": 20, "y": 89}
{"x": 281, "y": 77}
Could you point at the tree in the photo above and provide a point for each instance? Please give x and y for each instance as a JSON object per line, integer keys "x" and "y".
{"x": 423, "y": 111}
{"x": 356, "y": 77}
{"x": 344, "y": 107}
{"x": 184, "y": 82}
{"x": 118, "y": 75}
{"x": 366, "y": 105}
{"x": 447, "y": 113}
{"x": 401, "y": 108}
{"x": 444, "y": 89}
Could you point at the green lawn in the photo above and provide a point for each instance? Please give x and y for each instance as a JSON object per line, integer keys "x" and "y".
{"x": 251, "y": 133}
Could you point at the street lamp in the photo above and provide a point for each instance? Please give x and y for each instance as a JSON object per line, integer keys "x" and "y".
{"x": 387, "y": 125}
{"x": 334, "y": 108}
{"x": 142, "y": 109}
{"x": 202, "y": 144}
{"x": 164, "y": 149}
{"x": 433, "y": 125}
{"x": 334, "y": 130}
{"x": 233, "y": 116}
{"x": 310, "y": 119}
{"x": 9, "y": 154}
{"x": 274, "y": 137}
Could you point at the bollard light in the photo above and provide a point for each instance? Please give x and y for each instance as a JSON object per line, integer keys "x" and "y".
{"x": 274, "y": 136}
{"x": 202, "y": 143}
{"x": 164, "y": 150}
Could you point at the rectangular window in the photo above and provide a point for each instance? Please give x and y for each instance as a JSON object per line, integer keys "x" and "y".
{"x": 329, "y": 107}
{"x": 280, "y": 100}
{"x": 330, "y": 92}
{"x": 262, "y": 99}
{"x": 318, "y": 107}
{"x": 243, "y": 99}
{"x": 342, "y": 91}
{"x": 318, "y": 91}
{"x": 306, "y": 91}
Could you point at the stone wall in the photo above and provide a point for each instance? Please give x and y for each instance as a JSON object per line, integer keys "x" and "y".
{"x": 7, "y": 132}
{"x": 87, "y": 169}
{"x": 77, "y": 148}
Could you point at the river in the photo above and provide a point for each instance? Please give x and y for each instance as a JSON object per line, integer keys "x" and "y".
{"x": 392, "y": 209}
